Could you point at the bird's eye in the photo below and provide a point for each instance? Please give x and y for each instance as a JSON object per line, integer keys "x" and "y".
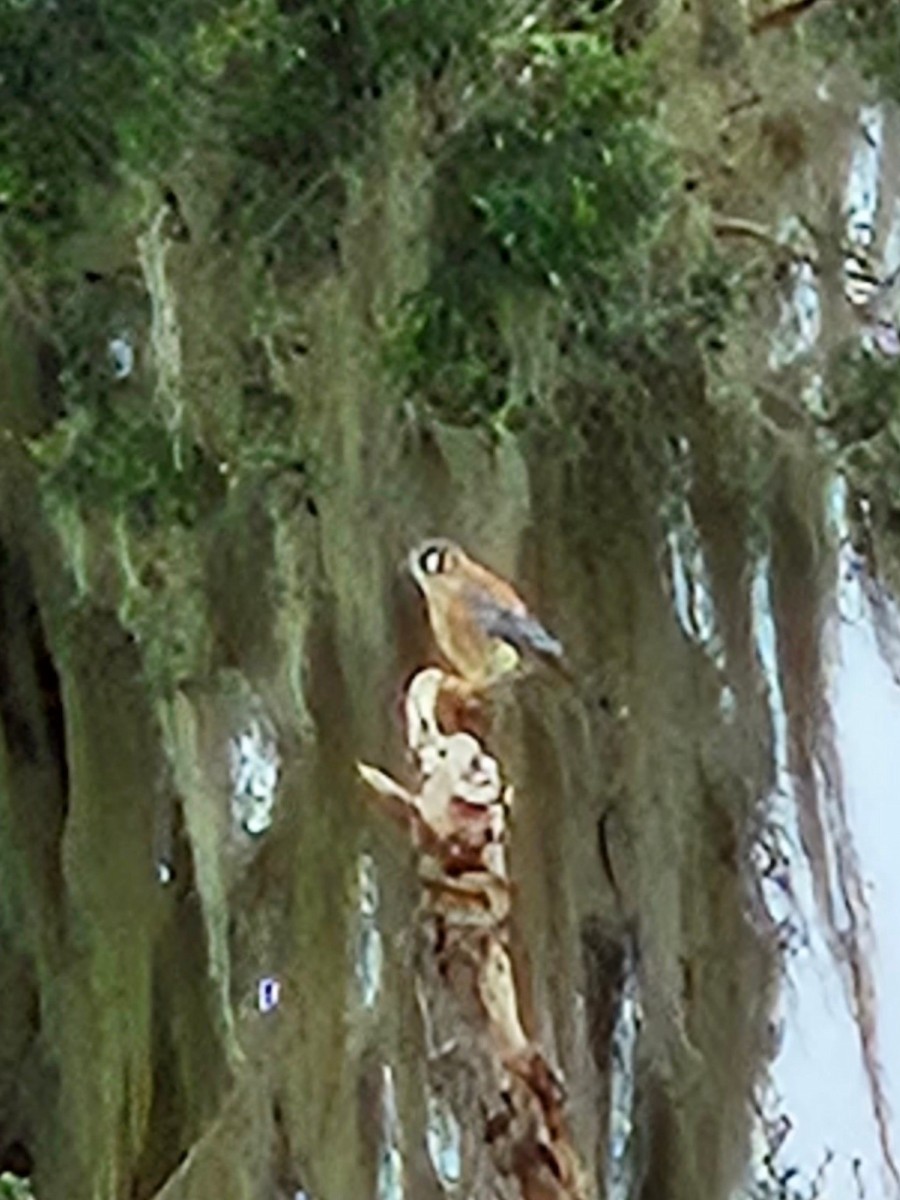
{"x": 432, "y": 561}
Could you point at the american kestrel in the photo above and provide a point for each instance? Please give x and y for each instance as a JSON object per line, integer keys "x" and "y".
{"x": 480, "y": 623}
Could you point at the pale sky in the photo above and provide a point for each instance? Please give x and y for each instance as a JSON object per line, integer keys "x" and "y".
{"x": 819, "y": 1071}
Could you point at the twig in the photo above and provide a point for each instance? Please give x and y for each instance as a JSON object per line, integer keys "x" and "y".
{"x": 740, "y": 227}
{"x": 780, "y": 18}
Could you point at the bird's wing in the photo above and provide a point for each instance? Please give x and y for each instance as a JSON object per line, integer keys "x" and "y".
{"x": 497, "y": 589}
{"x": 520, "y": 629}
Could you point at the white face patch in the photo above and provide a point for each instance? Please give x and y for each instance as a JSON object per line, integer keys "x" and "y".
{"x": 431, "y": 561}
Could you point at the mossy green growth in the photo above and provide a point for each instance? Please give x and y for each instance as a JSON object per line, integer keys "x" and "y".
{"x": 448, "y": 348}
{"x": 410, "y": 38}
{"x": 163, "y": 603}
{"x": 111, "y": 449}
{"x": 73, "y": 78}
{"x": 122, "y": 459}
{"x": 870, "y": 29}
{"x": 862, "y": 398}
{"x": 863, "y": 407}
{"x": 13, "y": 1187}
{"x": 112, "y": 87}
{"x": 284, "y": 85}
{"x": 286, "y": 92}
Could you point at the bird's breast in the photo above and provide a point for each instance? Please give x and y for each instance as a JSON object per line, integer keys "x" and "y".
{"x": 476, "y": 656}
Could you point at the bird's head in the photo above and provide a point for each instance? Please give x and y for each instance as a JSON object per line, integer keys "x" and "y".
{"x": 434, "y": 557}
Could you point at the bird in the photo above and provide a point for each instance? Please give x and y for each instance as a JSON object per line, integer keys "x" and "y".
{"x": 480, "y": 623}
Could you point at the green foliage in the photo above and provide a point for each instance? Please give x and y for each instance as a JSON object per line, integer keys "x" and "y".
{"x": 110, "y": 448}
{"x": 120, "y": 458}
{"x": 871, "y": 29}
{"x": 96, "y": 89}
{"x": 863, "y": 406}
{"x": 70, "y": 77}
{"x": 563, "y": 168}
{"x": 414, "y": 38}
{"x": 449, "y": 349}
{"x": 12, "y": 1187}
{"x": 285, "y": 88}
{"x": 557, "y": 184}
{"x": 863, "y": 398}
